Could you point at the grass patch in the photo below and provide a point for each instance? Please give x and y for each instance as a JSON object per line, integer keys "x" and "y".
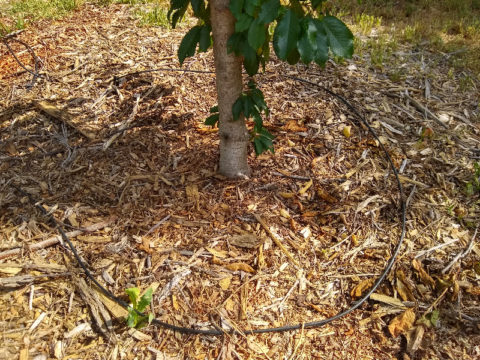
{"x": 156, "y": 16}
{"x": 16, "y": 14}
{"x": 448, "y": 26}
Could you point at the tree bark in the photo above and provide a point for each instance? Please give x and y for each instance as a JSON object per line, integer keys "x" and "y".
{"x": 234, "y": 136}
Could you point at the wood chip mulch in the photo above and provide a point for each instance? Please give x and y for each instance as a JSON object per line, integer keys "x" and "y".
{"x": 128, "y": 167}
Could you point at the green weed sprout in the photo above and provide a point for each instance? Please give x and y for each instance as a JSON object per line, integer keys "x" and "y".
{"x": 473, "y": 186}
{"x": 134, "y": 319}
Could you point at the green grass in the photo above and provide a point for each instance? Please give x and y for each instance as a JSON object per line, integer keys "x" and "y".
{"x": 447, "y": 26}
{"x": 156, "y": 16}
{"x": 16, "y": 14}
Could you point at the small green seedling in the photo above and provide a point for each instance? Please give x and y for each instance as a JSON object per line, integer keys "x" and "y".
{"x": 473, "y": 186}
{"x": 134, "y": 319}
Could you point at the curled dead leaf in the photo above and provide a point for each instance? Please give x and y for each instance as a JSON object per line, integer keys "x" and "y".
{"x": 402, "y": 323}
{"x": 424, "y": 276}
{"x": 305, "y": 187}
{"x": 240, "y": 267}
{"x": 404, "y": 291}
{"x": 293, "y": 126}
{"x": 286, "y": 195}
{"x": 222, "y": 254}
{"x": 361, "y": 287}
{"x": 322, "y": 194}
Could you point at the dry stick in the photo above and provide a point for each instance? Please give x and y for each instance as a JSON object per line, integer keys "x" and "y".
{"x": 62, "y": 116}
{"x": 424, "y": 110}
{"x": 424, "y": 252}
{"x": 295, "y": 177}
{"x": 276, "y": 240}
{"x": 124, "y": 125}
{"x": 461, "y": 254}
{"x": 55, "y": 239}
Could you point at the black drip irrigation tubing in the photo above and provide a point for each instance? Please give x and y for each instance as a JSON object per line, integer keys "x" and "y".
{"x": 217, "y": 331}
{"x": 35, "y": 72}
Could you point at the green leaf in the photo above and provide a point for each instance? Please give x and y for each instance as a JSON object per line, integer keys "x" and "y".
{"x": 250, "y": 58}
{"x": 133, "y": 294}
{"x": 340, "y": 38}
{"x": 263, "y": 141}
{"x": 178, "y": 15}
{"x": 259, "y": 146}
{"x": 235, "y": 43}
{"x": 178, "y": 4}
{"x": 256, "y": 34}
{"x": 265, "y": 51}
{"x": 259, "y": 100}
{"x": 205, "y": 39}
{"x": 214, "y": 109}
{"x": 286, "y": 34}
{"x": 178, "y": 9}
{"x": 236, "y": 7}
{"x": 145, "y": 300}
{"x": 132, "y": 318}
{"x": 293, "y": 57}
{"x": 317, "y": 3}
{"x": 434, "y": 317}
{"x": 268, "y": 11}
{"x": 212, "y": 120}
{"x": 305, "y": 49}
{"x": 248, "y": 106}
{"x": 189, "y": 43}
{"x": 321, "y": 52}
{"x": 258, "y": 122}
{"x": 243, "y": 22}
{"x": 251, "y": 6}
{"x": 198, "y": 7}
{"x": 237, "y": 107}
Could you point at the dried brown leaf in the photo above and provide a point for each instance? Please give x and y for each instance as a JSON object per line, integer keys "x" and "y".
{"x": 402, "y": 323}
{"x": 424, "y": 276}
{"x": 322, "y": 194}
{"x": 361, "y": 287}
{"x": 240, "y": 267}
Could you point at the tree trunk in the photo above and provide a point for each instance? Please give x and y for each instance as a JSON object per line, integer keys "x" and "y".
{"x": 234, "y": 136}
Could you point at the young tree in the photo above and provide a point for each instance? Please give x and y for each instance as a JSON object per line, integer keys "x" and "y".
{"x": 242, "y": 31}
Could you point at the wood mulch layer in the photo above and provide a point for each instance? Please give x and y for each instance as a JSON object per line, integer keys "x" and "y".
{"x": 130, "y": 170}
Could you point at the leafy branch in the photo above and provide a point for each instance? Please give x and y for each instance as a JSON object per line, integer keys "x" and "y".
{"x": 302, "y": 31}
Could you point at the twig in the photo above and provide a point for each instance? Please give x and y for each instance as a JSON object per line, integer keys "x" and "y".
{"x": 409, "y": 199}
{"x": 424, "y": 252}
{"x": 154, "y": 227}
{"x": 55, "y": 239}
{"x": 16, "y": 281}
{"x": 296, "y": 177}
{"x": 167, "y": 289}
{"x": 125, "y": 124}
{"x": 436, "y": 302}
{"x": 276, "y": 240}
{"x": 461, "y": 254}
{"x": 424, "y": 110}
